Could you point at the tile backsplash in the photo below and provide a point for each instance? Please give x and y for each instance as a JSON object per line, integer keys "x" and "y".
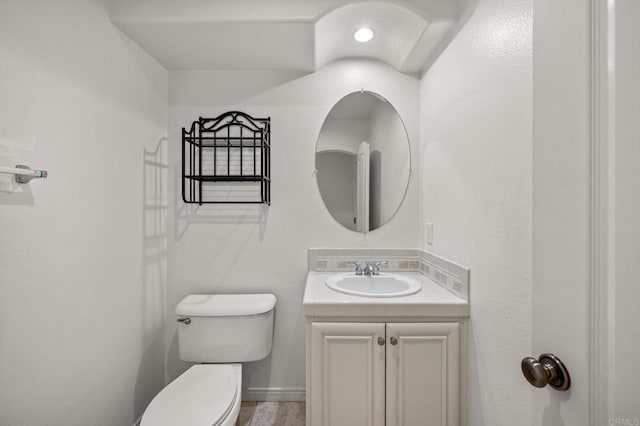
{"x": 449, "y": 275}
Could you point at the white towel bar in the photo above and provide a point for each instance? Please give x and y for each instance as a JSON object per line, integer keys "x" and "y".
{"x": 23, "y": 173}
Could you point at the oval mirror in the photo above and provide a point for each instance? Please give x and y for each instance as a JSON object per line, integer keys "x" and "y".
{"x": 363, "y": 161}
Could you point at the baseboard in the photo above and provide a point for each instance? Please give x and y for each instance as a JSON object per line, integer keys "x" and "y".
{"x": 274, "y": 394}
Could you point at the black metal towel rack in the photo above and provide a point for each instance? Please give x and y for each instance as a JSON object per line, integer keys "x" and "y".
{"x": 227, "y": 159}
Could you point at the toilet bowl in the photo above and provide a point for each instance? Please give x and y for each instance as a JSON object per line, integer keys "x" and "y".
{"x": 205, "y": 394}
{"x": 222, "y": 329}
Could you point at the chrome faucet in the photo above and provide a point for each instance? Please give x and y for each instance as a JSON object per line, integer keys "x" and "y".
{"x": 376, "y": 267}
{"x": 368, "y": 270}
{"x": 357, "y": 265}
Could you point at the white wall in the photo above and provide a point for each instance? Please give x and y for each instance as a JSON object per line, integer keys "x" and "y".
{"x": 82, "y": 305}
{"x": 476, "y": 106}
{"x": 226, "y": 249}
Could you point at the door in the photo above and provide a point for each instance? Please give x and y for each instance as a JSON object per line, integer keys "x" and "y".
{"x": 423, "y": 374}
{"x": 347, "y": 374}
{"x": 561, "y": 205}
{"x": 622, "y": 345}
{"x": 362, "y": 188}
{"x": 585, "y": 202}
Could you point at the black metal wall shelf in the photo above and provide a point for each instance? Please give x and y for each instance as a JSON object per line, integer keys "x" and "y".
{"x": 227, "y": 159}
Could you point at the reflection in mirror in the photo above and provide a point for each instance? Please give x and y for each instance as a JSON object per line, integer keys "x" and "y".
{"x": 363, "y": 161}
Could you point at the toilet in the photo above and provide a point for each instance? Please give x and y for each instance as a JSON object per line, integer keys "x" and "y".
{"x": 217, "y": 332}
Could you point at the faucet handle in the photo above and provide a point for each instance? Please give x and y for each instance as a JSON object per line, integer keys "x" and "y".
{"x": 376, "y": 266}
{"x": 357, "y": 265}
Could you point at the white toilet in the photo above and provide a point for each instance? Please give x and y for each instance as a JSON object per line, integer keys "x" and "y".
{"x": 221, "y": 329}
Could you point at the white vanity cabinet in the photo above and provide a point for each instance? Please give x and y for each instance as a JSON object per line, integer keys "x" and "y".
{"x": 384, "y": 373}
{"x": 376, "y": 361}
{"x": 423, "y": 374}
{"x": 347, "y": 374}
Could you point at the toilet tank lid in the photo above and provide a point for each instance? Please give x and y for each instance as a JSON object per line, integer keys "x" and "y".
{"x": 225, "y": 304}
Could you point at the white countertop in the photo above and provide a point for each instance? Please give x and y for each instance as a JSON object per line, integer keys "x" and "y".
{"x": 432, "y": 301}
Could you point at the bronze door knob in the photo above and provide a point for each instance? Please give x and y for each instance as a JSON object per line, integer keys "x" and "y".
{"x": 547, "y": 370}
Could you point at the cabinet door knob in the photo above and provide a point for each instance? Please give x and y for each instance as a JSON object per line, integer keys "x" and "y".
{"x": 547, "y": 370}
{"x": 393, "y": 341}
{"x": 381, "y": 341}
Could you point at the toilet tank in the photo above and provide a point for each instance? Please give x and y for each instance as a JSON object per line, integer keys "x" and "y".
{"x": 225, "y": 328}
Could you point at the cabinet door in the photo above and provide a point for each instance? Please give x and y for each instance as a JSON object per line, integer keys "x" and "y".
{"x": 423, "y": 374}
{"x": 347, "y": 374}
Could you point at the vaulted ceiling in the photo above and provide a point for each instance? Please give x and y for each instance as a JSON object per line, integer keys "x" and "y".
{"x": 297, "y": 35}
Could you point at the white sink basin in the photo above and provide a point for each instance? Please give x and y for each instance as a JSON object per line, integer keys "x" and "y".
{"x": 383, "y": 285}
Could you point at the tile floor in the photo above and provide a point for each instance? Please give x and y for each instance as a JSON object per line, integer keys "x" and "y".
{"x": 271, "y": 414}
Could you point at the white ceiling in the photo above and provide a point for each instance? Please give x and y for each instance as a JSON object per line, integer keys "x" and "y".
{"x": 299, "y": 35}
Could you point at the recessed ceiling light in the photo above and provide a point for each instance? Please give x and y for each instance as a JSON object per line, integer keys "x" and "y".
{"x": 363, "y": 34}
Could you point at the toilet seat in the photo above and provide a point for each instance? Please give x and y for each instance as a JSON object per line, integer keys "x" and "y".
{"x": 204, "y": 395}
